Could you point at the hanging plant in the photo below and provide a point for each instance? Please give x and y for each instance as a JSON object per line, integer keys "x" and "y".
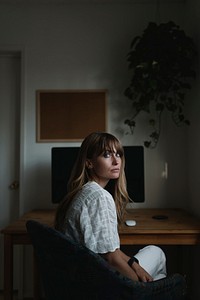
{"x": 161, "y": 61}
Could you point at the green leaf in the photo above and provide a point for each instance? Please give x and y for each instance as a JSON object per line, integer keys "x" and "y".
{"x": 147, "y": 144}
{"x": 187, "y": 122}
{"x": 160, "y": 106}
{"x": 130, "y": 123}
{"x": 152, "y": 122}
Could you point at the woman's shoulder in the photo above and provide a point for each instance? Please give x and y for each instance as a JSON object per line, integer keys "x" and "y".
{"x": 90, "y": 190}
{"x": 92, "y": 197}
{"x": 94, "y": 193}
{"x": 93, "y": 188}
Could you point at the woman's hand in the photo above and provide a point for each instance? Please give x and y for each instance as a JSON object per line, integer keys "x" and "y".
{"x": 119, "y": 261}
{"x": 141, "y": 273}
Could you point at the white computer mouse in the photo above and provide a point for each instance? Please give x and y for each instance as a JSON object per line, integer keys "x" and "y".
{"x": 130, "y": 222}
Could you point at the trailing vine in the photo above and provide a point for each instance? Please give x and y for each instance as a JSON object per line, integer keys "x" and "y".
{"x": 161, "y": 61}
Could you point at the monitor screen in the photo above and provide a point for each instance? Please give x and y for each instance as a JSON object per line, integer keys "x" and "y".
{"x": 62, "y": 161}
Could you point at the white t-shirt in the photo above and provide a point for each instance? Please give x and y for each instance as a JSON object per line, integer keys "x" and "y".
{"x": 92, "y": 219}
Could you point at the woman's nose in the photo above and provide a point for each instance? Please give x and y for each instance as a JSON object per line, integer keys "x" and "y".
{"x": 115, "y": 160}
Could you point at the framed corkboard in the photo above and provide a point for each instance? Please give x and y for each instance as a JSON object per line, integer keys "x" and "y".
{"x": 70, "y": 115}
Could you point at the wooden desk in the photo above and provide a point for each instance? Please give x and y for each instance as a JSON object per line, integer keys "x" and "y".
{"x": 179, "y": 228}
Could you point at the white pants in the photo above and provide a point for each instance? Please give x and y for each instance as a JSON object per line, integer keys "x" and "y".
{"x": 153, "y": 260}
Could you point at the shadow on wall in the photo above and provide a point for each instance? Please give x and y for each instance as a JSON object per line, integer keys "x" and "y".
{"x": 37, "y": 187}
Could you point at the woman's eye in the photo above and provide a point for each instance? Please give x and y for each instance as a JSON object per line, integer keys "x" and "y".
{"x": 118, "y": 155}
{"x": 106, "y": 154}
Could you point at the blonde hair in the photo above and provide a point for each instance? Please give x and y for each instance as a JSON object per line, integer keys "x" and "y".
{"x": 94, "y": 145}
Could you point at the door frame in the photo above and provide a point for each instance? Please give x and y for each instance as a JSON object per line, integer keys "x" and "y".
{"x": 16, "y": 49}
{"x": 13, "y": 49}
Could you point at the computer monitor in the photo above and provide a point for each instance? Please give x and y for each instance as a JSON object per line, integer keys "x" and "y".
{"x": 63, "y": 159}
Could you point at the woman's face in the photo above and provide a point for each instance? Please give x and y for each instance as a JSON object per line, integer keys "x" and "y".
{"x": 105, "y": 167}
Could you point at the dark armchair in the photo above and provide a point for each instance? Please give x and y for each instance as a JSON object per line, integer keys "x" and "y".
{"x": 71, "y": 271}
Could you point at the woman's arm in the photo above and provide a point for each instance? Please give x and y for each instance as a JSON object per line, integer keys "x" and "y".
{"x": 119, "y": 261}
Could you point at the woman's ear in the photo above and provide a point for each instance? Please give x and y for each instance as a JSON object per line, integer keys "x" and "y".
{"x": 89, "y": 164}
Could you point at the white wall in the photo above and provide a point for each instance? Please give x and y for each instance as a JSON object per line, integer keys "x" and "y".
{"x": 85, "y": 47}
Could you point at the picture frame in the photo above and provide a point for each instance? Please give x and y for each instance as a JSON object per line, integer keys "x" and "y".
{"x": 70, "y": 115}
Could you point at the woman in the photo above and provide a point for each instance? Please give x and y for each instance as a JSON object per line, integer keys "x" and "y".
{"x": 95, "y": 203}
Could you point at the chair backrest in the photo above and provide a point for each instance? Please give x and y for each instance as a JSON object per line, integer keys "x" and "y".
{"x": 71, "y": 271}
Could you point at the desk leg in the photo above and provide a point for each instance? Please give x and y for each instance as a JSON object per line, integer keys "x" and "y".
{"x": 8, "y": 267}
{"x": 36, "y": 279}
